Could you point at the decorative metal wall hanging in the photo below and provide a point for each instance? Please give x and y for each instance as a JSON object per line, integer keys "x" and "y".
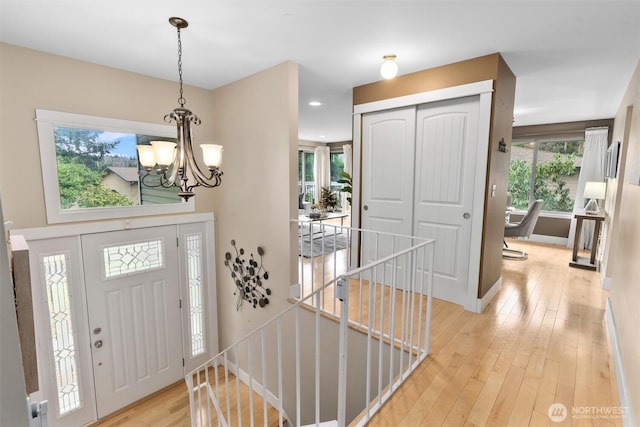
{"x": 248, "y": 277}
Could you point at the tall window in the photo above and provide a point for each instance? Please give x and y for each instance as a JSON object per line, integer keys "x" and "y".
{"x": 55, "y": 272}
{"x": 546, "y": 170}
{"x": 337, "y": 166}
{"x": 306, "y": 180}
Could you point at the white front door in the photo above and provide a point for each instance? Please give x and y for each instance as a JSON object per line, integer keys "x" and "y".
{"x": 446, "y": 141}
{"x": 133, "y": 300}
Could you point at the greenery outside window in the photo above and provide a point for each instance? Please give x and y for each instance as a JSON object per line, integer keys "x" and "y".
{"x": 306, "y": 179}
{"x": 90, "y": 168}
{"x": 546, "y": 170}
{"x": 337, "y": 166}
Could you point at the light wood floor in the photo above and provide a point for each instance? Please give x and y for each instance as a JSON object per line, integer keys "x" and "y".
{"x": 541, "y": 341}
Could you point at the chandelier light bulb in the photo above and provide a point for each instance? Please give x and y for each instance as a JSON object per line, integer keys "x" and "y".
{"x": 389, "y": 68}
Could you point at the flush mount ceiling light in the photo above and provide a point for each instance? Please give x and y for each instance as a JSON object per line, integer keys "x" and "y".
{"x": 175, "y": 162}
{"x": 389, "y": 68}
{"x": 315, "y": 103}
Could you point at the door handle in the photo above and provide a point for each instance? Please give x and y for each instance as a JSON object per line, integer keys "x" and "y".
{"x": 98, "y": 344}
{"x": 466, "y": 215}
{"x": 365, "y": 208}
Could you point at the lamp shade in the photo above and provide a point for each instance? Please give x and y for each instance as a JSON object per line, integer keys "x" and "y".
{"x": 146, "y": 156}
{"x": 164, "y": 152}
{"x": 212, "y": 155}
{"x": 595, "y": 190}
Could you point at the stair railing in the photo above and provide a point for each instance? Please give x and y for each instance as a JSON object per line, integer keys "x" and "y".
{"x": 341, "y": 350}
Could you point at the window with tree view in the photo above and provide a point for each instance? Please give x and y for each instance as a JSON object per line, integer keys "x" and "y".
{"x": 546, "y": 170}
{"x": 337, "y": 166}
{"x": 90, "y": 168}
{"x": 100, "y": 169}
{"x": 306, "y": 180}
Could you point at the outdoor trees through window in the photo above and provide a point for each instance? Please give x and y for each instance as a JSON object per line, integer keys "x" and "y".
{"x": 337, "y": 166}
{"x": 546, "y": 170}
{"x": 82, "y": 159}
{"x": 306, "y": 177}
{"x": 306, "y": 180}
{"x": 90, "y": 168}
{"x": 100, "y": 169}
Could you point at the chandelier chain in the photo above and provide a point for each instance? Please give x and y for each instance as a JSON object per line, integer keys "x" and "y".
{"x": 181, "y": 99}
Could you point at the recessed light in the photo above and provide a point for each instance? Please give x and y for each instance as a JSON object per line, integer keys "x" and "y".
{"x": 323, "y": 136}
{"x": 315, "y": 103}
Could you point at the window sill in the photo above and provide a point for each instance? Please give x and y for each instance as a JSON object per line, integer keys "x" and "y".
{"x": 547, "y": 214}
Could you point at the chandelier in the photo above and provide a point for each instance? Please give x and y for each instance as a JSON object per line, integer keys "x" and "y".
{"x": 175, "y": 163}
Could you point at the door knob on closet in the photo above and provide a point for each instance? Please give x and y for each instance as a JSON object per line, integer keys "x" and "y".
{"x": 365, "y": 208}
{"x": 98, "y": 344}
{"x": 466, "y": 215}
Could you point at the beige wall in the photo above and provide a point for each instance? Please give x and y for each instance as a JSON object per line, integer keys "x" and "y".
{"x": 255, "y": 119}
{"x": 30, "y": 79}
{"x": 623, "y": 257}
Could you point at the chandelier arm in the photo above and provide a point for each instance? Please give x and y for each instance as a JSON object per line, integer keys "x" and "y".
{"x": 163, "y": 181}
{"x": 187, "y": 158}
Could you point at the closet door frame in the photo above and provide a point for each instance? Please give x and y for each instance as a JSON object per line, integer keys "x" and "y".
{"x": 484, "y": 90}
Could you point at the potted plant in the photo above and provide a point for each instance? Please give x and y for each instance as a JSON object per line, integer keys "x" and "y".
{"x": 328, "y": 199}
{"x": 347, "y": 186}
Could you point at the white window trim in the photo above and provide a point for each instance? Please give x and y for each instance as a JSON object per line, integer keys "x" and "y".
{"x": 47, "y": 120}
{"x": 66, "y": 230}
{"x": 546, "y": 214}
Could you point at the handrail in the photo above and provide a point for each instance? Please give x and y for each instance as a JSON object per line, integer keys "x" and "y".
{"x": 395, "y": 290}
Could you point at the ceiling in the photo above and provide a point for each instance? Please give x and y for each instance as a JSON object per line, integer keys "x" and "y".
{"x": 572, "y": 59}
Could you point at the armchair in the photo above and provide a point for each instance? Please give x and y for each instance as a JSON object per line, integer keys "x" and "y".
{"x": 524, "y": 228}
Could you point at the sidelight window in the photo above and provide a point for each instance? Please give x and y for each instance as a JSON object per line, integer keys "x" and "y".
{"x": 62, "y": 332}
{"x": 196, "y": 297}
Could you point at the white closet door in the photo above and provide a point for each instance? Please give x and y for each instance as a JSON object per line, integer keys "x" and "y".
{"x": 446, "y": 141}
{"x": 388, "y": 146}
{"x": 133, "y": 297}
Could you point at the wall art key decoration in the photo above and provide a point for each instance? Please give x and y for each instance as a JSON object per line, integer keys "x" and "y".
{"x": 248, "y": 276}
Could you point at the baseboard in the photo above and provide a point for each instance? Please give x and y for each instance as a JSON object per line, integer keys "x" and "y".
{"x": 483, "y": 302}
{"x": 605, "y": 282}
{"x": 625, "y": 403}
{"x": 554, "y": 240}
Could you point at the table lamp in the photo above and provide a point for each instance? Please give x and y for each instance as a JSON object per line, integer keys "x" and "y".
{"x": 594, "y": 191}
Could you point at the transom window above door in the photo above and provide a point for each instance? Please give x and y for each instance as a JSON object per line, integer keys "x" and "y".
{"x": 130, "y": 258}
